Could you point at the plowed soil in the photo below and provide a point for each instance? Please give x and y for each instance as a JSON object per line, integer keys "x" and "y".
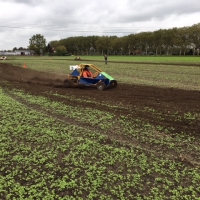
{"x": 165, "y": 101}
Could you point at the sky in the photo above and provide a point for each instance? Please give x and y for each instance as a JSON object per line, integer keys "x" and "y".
{"x": 59, "y": 19}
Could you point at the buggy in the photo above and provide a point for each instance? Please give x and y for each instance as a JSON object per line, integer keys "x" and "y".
{"x": 101, "y": 80}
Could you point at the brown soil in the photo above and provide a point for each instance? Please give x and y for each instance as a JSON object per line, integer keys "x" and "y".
{"x": 168, "y": 103}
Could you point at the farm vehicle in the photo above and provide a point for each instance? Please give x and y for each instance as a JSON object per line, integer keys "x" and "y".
{"x": 3, "y": 58}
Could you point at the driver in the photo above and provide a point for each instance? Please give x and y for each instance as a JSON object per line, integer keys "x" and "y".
{"x": 87, "y": 73}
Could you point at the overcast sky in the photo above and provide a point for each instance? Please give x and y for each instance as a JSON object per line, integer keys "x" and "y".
{"x": 58, "y": 19}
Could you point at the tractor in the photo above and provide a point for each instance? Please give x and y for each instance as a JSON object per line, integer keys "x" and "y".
{"x": 100, "y": 80}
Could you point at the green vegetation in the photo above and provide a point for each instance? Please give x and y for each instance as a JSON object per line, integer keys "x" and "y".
{"x": 142, "y": 59}
{"x": 49, "y": 157}
{"x": 50, "y": 151}
{"x": 37, "y": 43}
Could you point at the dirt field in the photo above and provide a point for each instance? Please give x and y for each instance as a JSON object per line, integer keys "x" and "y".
{"x": 166, "y": 101}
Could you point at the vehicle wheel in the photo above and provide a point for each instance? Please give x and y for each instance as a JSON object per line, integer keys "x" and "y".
{"x": 101, "y": 86}
{"x": 113, "y": 83}
{"x": 68, "y": 83}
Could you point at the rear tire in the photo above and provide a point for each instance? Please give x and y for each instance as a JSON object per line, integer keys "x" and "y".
{"x": 113, "y": 84}
{"x": 68, "y": 83}
{"x": 101, "y": 86}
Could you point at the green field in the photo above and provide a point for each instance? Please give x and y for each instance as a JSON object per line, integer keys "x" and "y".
{"x": 167, "y": 72}
{"x": 149, "y": 59}
{"x": 58, "y": 144}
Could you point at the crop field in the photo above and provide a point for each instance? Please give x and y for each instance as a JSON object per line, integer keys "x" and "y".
{"x": 139, "y": 141}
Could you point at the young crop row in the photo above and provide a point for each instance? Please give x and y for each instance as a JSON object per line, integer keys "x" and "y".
{"x": 49, "y": 151}
{"x": 134, "y": 130}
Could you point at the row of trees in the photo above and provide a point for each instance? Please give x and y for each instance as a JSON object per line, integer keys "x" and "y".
{"x": 175, "y": 41}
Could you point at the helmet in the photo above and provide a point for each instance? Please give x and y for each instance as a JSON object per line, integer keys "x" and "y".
{"x": 86, "y": 67}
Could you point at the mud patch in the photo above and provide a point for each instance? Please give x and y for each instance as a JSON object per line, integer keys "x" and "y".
{"x": 29, "y": 76}
{"x": 46, "y": 81}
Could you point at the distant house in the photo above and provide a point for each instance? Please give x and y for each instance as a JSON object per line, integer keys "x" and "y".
{"x": 24, "y": 52}
{"x": 2, "y": 53}
{"x": 6, "y": 53}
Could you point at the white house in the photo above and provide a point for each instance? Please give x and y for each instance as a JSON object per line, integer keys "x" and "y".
{"x": 24, "y": 52}
{"x": 7, "y": 53}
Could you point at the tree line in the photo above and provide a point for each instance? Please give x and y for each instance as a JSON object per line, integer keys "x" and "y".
{"x": 175, "y": 41}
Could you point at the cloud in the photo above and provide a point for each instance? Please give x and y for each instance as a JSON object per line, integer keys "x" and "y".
{"x": 21, "y": 19}
{"x": 28, "y": 2}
